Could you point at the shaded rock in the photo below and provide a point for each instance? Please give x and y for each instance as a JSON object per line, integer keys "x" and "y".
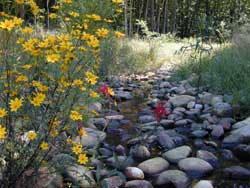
{"x": 242, "y": 152}
{"x": 105, "y": 152}
{"x": 80, "y": 174}
{"x": 146, "y": 119}
{"x": 173, "y": 177}
{"x": 181, "y": 100}
{"x": 100, "y": 122}
{"x": 204, "y": 184}
{"x": 199, "y": 143}
{"x": 227, "y": 155}
{"x": 153, "y": 166}
{"x": 181, "y": 123}
{"x": 217, "y": 132}
{"x": 165, "y": 140}
{"x": 97, "y": 106}
{"x": 93, "y": 138}
{"x": 167, "y": 124}
{"x": 216, "y": 99}
{"x": 176, "y": 154}
{"x": 195, "y": 167}
{"x": 206, "y": 98}
{"x": 123, "y": 95}
{"x": 223, "y": 109}
{"x": 120, "y": 150}
{"x": 191, "y": 105}
{"x": 134, "y": 173}
{"x": 199, "y": 133}
{"x": 140, "y": 152}
{"x": 138, "y": 184}
{"x": 209, "y": 157}
{"x": 240, "y": 134}
{"x": 236, "y": 172}
{"x": 114, "y": 182}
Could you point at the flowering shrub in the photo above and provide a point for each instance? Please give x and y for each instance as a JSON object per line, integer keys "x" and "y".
{"x": 160, "y": 111}
{"x": 47, "y": 83}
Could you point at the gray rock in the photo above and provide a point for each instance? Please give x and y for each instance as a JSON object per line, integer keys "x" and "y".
{"x": 216, "y": 99}
{"x": 191, "y": 105}
{"x": 146, "y": 119}
{"x": 206, "y": 98}
{"x": 227, "y": 154}
{"x": 114, "y": 182}
{"x": 97, "y": 106}
{"x": 195, "y": 167}
{"x": 181, "y": 123}
{"x": 123, "y": 95}
{"x": 204, "y": 184}
{"x": 217, "y": 132}
{"x": 240, "y": 134}
{"x": 199, "y": 133}
{"x": 236, "y": 172}
{"x": 181, "y": 100}
{"x": 140, "y": 152}
{"x": 138, "y": 184}
{"x": 223, "y": 109}
{"x": 167, "y": 124}
{"x": 242, "y": 152}
{"x": 134, "y": 173}
{"x": 173, "y": 177}
{"x": 93, "y": 138}
{"x": 120, "y": 162}
{"x": 165, "y": 84}
{"x": 100, "y": 122}
{"x": 177, "y": 154}
{"x": 165, "y": 140}
{"x": 154, "y": 166}
{"x": 80, "y": 174}
{"x": 209, "y": 157}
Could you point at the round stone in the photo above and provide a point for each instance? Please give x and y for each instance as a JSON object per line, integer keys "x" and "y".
{"x": 177, "y": 154}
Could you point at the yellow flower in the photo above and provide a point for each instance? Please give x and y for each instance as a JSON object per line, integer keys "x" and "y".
{"x": 2, "y": 132}
{"x": 38, "y": 99}
{"x": 52, "y": 15}
{"x": 56, "y": 7}
{"x": 15, "y": 104}
{"x": 119, "y": 34}
{"x": 54, "y": 132}
{"x": 3, "y": 112}
{"x": 111, "y": 91}
{"x": 67, "y": 1}
{"x": 108, "y": 20}
{"x": 53, "y": 58}
{"x": 93, "y": 42}
{"x": 82, "y": 158}
{"x": 117, "y": 1}
{"x": 44, "y": 146}
{"x": 20, "y": 2}
{"x": 102, "y": 32}
{"x": 21, "y": 78}
{"x": 77, "y": 82}
{"x": 77, "y": 149}
{"x": 27, "y": 66}
{"x": 93, "y": 94}
{"x": 119, "y": 10}
{"x": 74, "y": 14}
{"x": 91, "y": 78}
{"x": 7, "y": 24}
{"x": 74, "y": 115}
{"x": 27, "y": 30}
{"x": 82, "y": 132}
{"x": 32, "y": 135}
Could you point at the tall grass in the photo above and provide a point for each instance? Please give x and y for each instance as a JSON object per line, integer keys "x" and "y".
{"x": 227, "y": 70}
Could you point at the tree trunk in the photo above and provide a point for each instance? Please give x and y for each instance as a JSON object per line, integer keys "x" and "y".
{"x": 165, "y": 17}
{"x": 152, "y": 14}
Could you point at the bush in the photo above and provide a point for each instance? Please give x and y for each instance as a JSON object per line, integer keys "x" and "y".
{"x": 47, "y": 82}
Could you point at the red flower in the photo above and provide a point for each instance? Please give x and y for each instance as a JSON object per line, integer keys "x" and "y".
{"x": 159, "y": 111}
{"x": 104, "y": 90}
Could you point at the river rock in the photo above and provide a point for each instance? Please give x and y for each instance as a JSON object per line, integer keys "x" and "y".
{"x": 181, "y": 100}
{"x": 242, "y": 152}
{"x": 217, "y": 132}
{"x": 123, "y": 95}
{"x": 240, "y": 134}
{"x": 93, "y": 138}
{"x": 120, "y": 162}
{"x": 223, "y": 109}
{"x": 140, "y": 152}
{"x": 195, "y": 167}
{"x": 153, "y": 166}
{"x": 80, "y": 174}
{"x": 236, "y": 172}
{"x": 138, "y": 184}
{"x": 227, "y": 154}
{"x": 177, "y": 154}
{"x": 114, "y": 182}
{"x": 165, "y": 140}
{"x": 146, "y": 119}
{"x": 199, "y": 133}
{"x": 134, "y": 173}
{"x": 167, "y": 124}
{"x": 209, "y": 157}
{"x": 206, "y": 98}
{"x": 173, "y": 177}
{"x": 100, "y": 122}
{"x": 204, "y": 184}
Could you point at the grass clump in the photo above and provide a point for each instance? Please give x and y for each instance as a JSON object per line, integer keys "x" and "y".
{"x": 226, "y": 70}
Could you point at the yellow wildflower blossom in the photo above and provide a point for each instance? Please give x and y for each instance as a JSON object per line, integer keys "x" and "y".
{"x": 74, "y": 115}
{"x": 44, "y": 146}
{"x": 3, "y": 112}
{"x": 77, "y": 149}
{"x": 15, "y": 104}
{"x": 2, "y": 132}
{"x": 32, "y": 135}
{"x": 82, "y": 158}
